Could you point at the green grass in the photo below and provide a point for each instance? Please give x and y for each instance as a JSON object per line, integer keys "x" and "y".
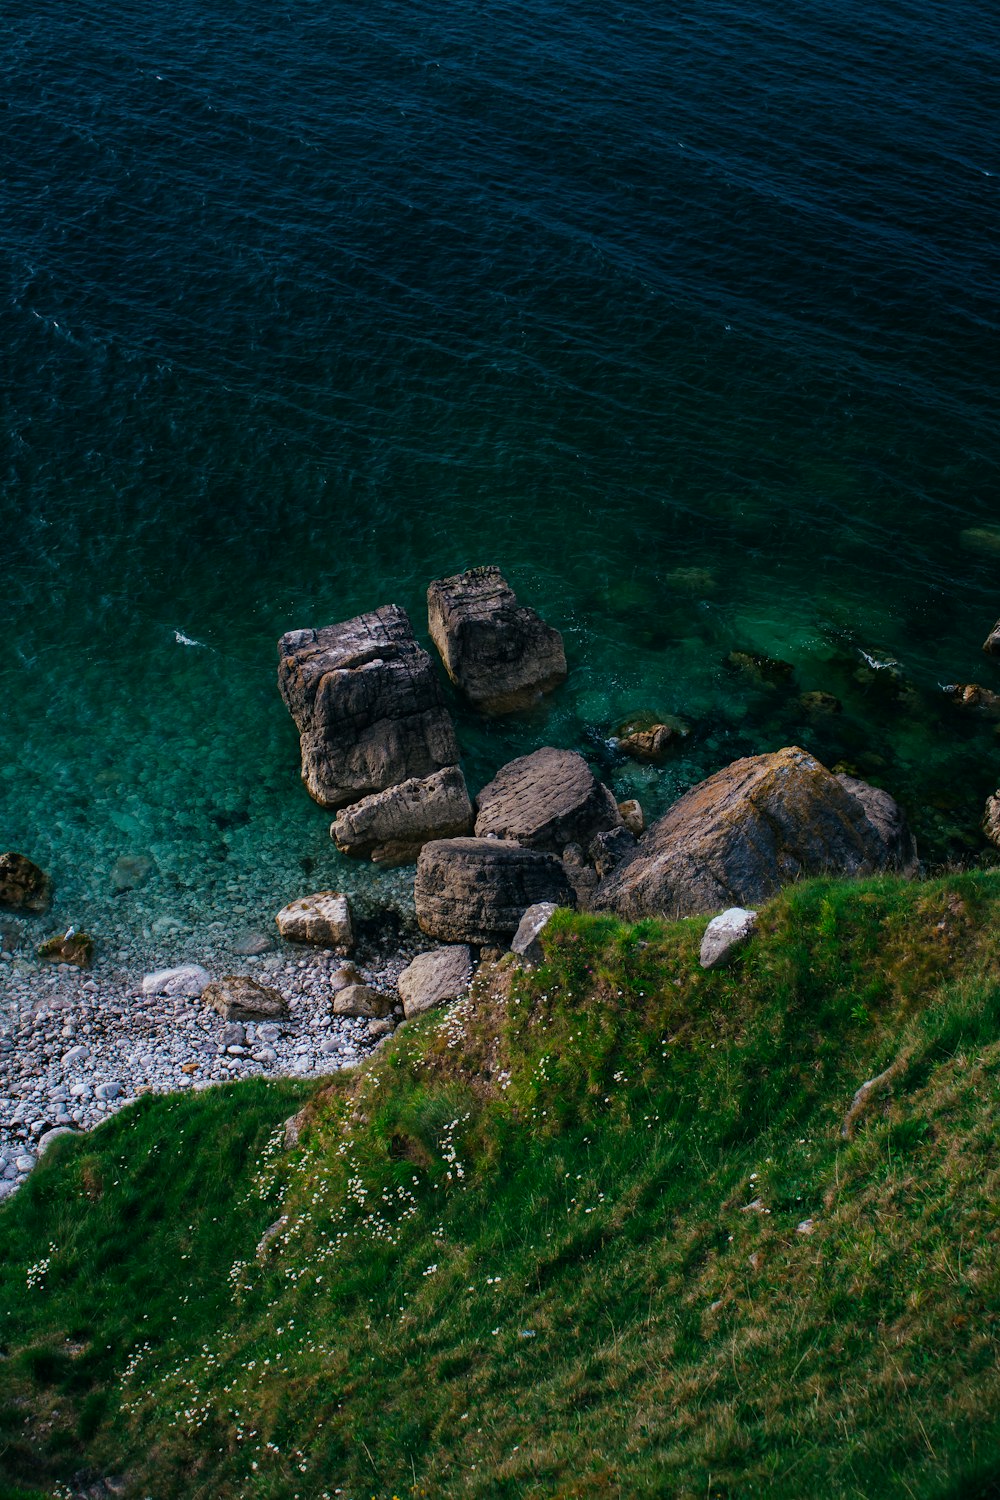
{"x": 595, "y": 1232}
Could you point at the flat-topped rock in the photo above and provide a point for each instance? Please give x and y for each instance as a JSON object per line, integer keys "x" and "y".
{"x": 368, "y": 706}
{"x": 23, "y": 886}
{"x": 361, "y": 1000}
{"x": 546, "y": 800}
{"x": 237, "y": 997}
{"x": 391, "y": 827}
{"x": 186, "y": 981}
{"x": 737, "y": 838}
{"x": 499, "y": 653}
{"x": 435, "y": 977}
{"x": 323, "y": 919}
{"x": 475, "y": 890}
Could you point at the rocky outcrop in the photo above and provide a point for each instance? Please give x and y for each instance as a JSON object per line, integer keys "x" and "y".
{"x": 323, "y": 919}
{"x": 475, "y": 890}
{"x": 367, "y": 704}
{"x": 433, "y": 978}
{"x": 23, "y": 886}
{"x": 361, "y": 1000}
{"x": 237, "y": 997}
{"x": 545, "y": 801}
{"x": 609, "y": 850}
{"x": 648, "y": 739}
{"x": 633, "y": 816}
{"x": 391, "y": 827}
{"x": 725, "y": 935}
{"x": 499, "y": 653}
{"x": 737, "y": 838}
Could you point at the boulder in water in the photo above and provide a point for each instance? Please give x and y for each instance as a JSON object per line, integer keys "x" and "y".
{"x": 546, "y": 800}
{"x": 23, "y": 886}
{"x": 499, "y": 653}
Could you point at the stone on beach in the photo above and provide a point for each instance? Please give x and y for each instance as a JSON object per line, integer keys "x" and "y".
{"x": 498, "y": 653}
{"x": 185, "y": 982}
{"x": 23, "y": 886}
{"x": 546, "y": 800}
{"x": 368, "y": 706}
{"x": 476, "y": 890}
{"x": 432, "y": 978}
{"x": 237, "y": 997}
{"x": 323, "y": 919}
{"x": 393, "y": 826}
{"x": 362, "y": 1000}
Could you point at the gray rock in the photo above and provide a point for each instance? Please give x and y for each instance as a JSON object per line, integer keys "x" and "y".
{"x": 75, "y": 1055}
{"x": 237, "y": 997}
{"x": 525, "y": 942}
{"x": 47, "y": 1137}
{"x": 185, "y": 982}
{"x": 737, "y": 838}
{"x": 380, "y": 1028}
{"x": 341, "y": 978}
{"x": 475, "y": 890}
{"x": 991, "y": 819}
{"x": 234, "y": 1034}
{"x": 23, "y": 886}
{"x": 130, "y": 872}
{"x": 546, "y": 800}
{"x": 991, "y": 645}
{"x": 725, "y": 934}
{"x": 323, "y": 919}
{"x": 608, "y": 850}
{"x": 24, "y": 1164}
{"x": 269, "y": 1033}
{"x": 250, "y": 944}
{"x": 501, "y": 655}
{"x": 367, "y": 704}
{"x": 108, "y": 1090}
{"x": 391, "y": 827}
{"x": 432, "y": 978}
{"x": 361, "y": 1000}
{"x": 886, "y": 816}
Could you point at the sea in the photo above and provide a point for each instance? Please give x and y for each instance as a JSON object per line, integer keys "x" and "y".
{"x": 685, "y": 316}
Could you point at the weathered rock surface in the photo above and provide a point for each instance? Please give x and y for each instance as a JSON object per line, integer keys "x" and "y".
{"x": 393, "y": 826}
{"x": 237, "y": 997}
{"x": 633, "y": 816}
{"x": 187, "y": 981}
{"x": 546, "y": 800}
{"x": 991, "y": 819}
{"x": 725, "y": 935}
{"x": 991, "y": 645}
{"x": 323, "y": 919}
{"x": 971, "y": 696}
{"x": 367, "y": 704}
{"x": 23, "y": 886}
{"x": 432, "y": 978}
{"x": 610, "y": 849}
{"x": 69, "y": 947}
{"x": 886, "y": 815}
{"x": 475, "y": 890}
{"x": 525, "y": 942}
{"x": 648, "y": 739}
{"x": 737, "y": 838}
{"x": 361, "y": 1000}
{"x": 499, "y": 653}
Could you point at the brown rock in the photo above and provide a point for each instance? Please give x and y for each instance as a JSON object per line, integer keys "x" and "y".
{"x": 323, "y": 919}
{"x": 70, "y": 947}
{"x": 545, "y": 801}
{"x": 500, "y": 654}
{"x": 23, "y": 886}
{"x": 432, "y": 978}
{"x": 237, "y": 997}
{"x": 633, "y": 816}
{"x": 991, "y": 819}
{"x": 820, "y": 705}
{"x": 361, "y": 1000}
{"x": 767, "y": 670}
{"x": 393, "y": 826}
{"x": 475, "y": 890}
{"x": 970, "y": 695}
{"x": 886, "y": 816}
{"x": 648, "y": 739}
{"x": 367, "y": 704}
{"x": 753, "y": 827}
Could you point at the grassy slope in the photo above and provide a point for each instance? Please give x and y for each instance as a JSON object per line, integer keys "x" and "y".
{"x": 519, "y": 1257}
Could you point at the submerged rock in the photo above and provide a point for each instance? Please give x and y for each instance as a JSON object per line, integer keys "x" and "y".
{"x": 393, "y": 826}
{"x": 648, "y": 739}
{"x": 476, "y": 890}
{"x": 435, "y": 977}
{"x": 761, "y": 668}
{"x": 499, "y": 653}
{"x": 323, "y": 919}
{"x": 367, "y": 704}
{"x": 237, "y": 997}
{"x": 546, "y": 800}
{"x": 970, "y": 695}
{"x": 23, "y": 886}
{"x": 737, "y": 838}
{"x": 131, "y": 871}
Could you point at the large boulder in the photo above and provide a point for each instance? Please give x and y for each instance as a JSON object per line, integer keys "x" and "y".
{"x": 361, "y": 1000}
{"x": 499, "y": 653}
{"x": 367, "y": 704}
{"x": 323, "y": 919}
{"x": 23, "y": 886}
{"x": 433, "y": 978}
{"x": 393, "y": 826}
{"x": 475, "y": 890}
{"x": 237, "y": 997}
{"x": 737, "y": 838}
{"x": 546, "y": 800}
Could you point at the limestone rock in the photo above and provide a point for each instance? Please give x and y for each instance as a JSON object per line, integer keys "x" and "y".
{"x": 725, "y": 934}
{"x": 737, "y": 838}
{"x": 367, "y": 704}
{"x": 525, "y": 942}
{"x": 991, "y": 819}
{"x": 991, "y": 645}
{"x": 69, "y": 947}
{"x": 581, "y": 876}
{"x": 475, "y": 890}
{"x": 361, "y": 1000}
{"x": 23, "y": 886}
{"x": 633, "y": 816}
{"x": 499, "y": 653}
{"x": 187, "y": 982}
{"x": 237, "y": 997}
{"x": 546, "y": 800}
{"x": 323, "y": 919}
{"x": 433, "y": 978}
{"x": 393, "y": 826}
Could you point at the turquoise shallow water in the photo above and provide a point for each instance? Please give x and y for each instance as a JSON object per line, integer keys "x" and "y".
{"x": 687, "y": 323}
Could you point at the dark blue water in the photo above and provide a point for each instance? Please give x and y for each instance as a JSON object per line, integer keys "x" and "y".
{"x": 687, "y": 320}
